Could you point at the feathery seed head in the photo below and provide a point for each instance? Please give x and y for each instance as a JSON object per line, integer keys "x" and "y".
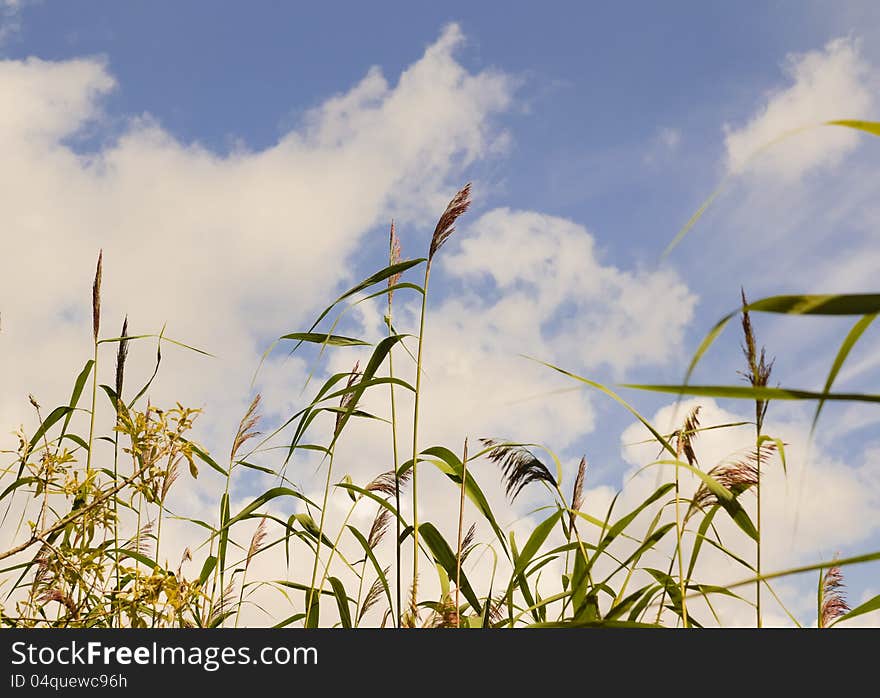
{"x": 446, "y": 225}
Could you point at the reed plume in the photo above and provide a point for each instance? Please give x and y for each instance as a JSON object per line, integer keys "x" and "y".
{"x": 577, "y": 492}
{"x": 385, "y": 482}
{"x": 832, "y": 602}
{"x": 373, "y": 595}
{"x": 446, "y": 225}
{"x": 247, "y": 427}
{"x": 520, "y": 467}
{"x": 379, "y": 527}
{"x": 121, "y": 356}
{"x": 96, "y": 296}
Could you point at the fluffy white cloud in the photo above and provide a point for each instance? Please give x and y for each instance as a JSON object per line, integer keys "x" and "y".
{"x": 552, "y": 294}
{"x": 832, "y": 83}
{"x": 225, "y": 249}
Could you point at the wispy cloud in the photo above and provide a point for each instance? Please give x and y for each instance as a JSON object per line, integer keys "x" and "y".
{"x": 832, "y": 83}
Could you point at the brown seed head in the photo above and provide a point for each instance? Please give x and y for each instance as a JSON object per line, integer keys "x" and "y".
{"x": 520, "y": 467}
{"x": 96, "y": 297}
{"x": 446, "y": 225}
{"x": 834, "y": 603}
{"x": 247, "y": 428}
{"x": 393, "y": 258}
{"x": 121, "y": 356}
{"x": 256, "y": 541}
{"x": 577, "y": 493}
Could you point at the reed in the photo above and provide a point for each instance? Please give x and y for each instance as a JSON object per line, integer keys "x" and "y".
{"x": 568, "y": 564}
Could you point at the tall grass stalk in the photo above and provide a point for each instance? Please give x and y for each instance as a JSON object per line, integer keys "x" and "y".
{"x": 393, "y": 258}
{"x": 464, "y": 460}
{"x": 246, "y": 431}
{"x": 444, "y": 228}
{"x": 253, "y": 549}
{"x": 96, "y": 329}
{"x": 310, "y": 598}
{"x": 758, "y": 375}
{"x": 121, "y": 356}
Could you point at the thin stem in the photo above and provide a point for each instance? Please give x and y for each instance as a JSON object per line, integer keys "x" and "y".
{"x": 415, "y": 446}
{"x": 326, "y": 572}
{"x": 460, "y": 529}
{"x": 357, "y": 606}
{"x": 572, "y": 529}
{"x": 396, "y": 474}
{"x": 678, "y": 535}
{"x": 758, "y": 541}
{"x": 310, "y": 596}
{"x": 219, "y": 565}
{"x": 116, "y": 518}
{"x": 88, "y": 475}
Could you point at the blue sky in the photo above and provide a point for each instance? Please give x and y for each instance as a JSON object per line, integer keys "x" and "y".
{"x": 600, "y": 126}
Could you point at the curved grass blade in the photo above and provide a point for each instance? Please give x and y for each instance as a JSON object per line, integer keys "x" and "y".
{"x": 867, "y": 607}
{"x": 870, "y": 127}
{"x": 598, "y": 386}
{"x": 341, "y": 601}
{"x": 846, "y": 346}
{"x": 444, "y": 556}
{"x": 741, "y": 392}
{"x": 333, "y": 340}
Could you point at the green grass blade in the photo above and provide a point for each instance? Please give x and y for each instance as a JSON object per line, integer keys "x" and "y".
{"x": 333, "y": 340}
{"x": 741, "y": 392}
{"x": 598, "y": 386}
{"x": 867, "y": 607}
{"x": 845, "y": 348}
{"x": 445, "y": 557}
{"x": 342, "y": 601}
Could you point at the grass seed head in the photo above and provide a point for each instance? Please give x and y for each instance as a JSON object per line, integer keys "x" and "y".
{"x": 834, "y": 603}
{"x": 446, "y": 225}
{"x": 96, "y": 297}
{"x": 520, "y": 467}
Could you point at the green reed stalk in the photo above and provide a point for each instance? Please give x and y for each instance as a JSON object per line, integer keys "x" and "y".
{"x": 335, "y": 547}
{"x": 253, "y": 549}
{"x": 121, "y": 356}
{"x": 310, "y": 597}
{"x": 219, "y": 565}
{"x": 577, "y": 501}
{"x": 758, "y": 374}
{"x": 415, "y": 445}
{"x": 246, "y": 431}
{"x": 357, "y": 605}
{"x": 444, "y": 228}
{"x": 96, "y": 328}
{"x": 393, "y": 258}
{"x": 464, "y": 458}
{"x": 678, "y": 540}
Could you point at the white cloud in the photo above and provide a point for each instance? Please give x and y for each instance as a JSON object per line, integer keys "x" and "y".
{"x": 833, "y": 83}
{"x": 556, "y": 297}
{"x": 225, "y": 249}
